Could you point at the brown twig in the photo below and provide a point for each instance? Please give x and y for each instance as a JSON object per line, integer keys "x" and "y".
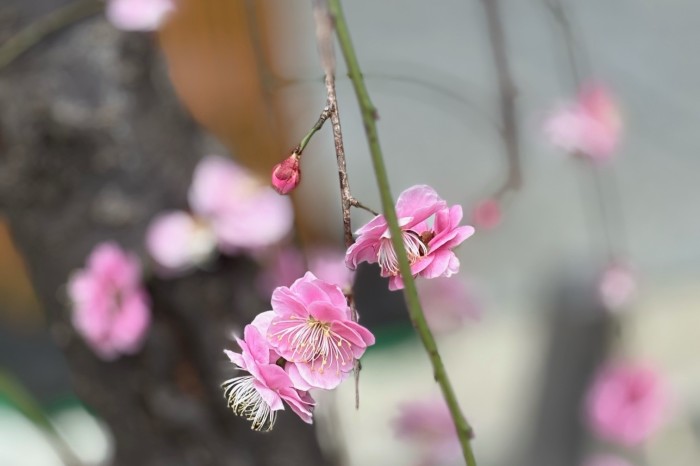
{"x": 324, "y": 38}
{"x": 508, "y": 94}
{"x": 324, "y": 30}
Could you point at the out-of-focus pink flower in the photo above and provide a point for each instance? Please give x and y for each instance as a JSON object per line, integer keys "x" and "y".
{"x": 448, "y": 303}
{"x": 590, "y": 126}
{"x": 286, "y": 175}
{"x": 280, "y": 268}
{"x": 243, "y": 213}
{"x": 288, "y": 264}
{"x": 259, "y": 395}
{"x": 487, "y": 214}
{"x": 139, "y": 15}
{"x": 617, "y": 286}
{"x": 313, "y": 329}
{"x": 110, "y": 307}
{"x": 177, "y": 241}
{"x": 606, "y": 460}
{"x": 428, "y": 425}
{"x": 428, "y": 244}
{"x": 626, "y": 403}
{"x": 329, "y": 265}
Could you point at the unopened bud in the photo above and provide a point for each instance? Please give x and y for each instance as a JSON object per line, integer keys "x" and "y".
{"x": 286, "y": 175}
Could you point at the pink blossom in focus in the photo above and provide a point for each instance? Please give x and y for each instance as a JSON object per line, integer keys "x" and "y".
{"x": 428, "y": 425}
{"x": 448, "y": 303}
{"x": 139, "y": 15}
{"x": 606, "y": 460}
{"x": 286, "y": 175}
{"x": 487, "y": 214}
{"x": 626, "y": 403}
{"x": 312, "y": 328}
{"x": 110, "y": 307}
{"x": 591, "y": 126}
{"x": 259, "y": 395}
{"x": 244, "y": 214}
{"x": 177, "y": 241}
{"x": 617, "y": 286}
{"x": 430, "y": 230}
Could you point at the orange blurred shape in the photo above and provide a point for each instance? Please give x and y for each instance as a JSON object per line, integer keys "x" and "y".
{"x": 217, "y": 53}
{"x": 17, "y": 299}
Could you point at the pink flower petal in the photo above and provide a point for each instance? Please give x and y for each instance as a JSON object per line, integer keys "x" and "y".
{"x": 177, "y": 241}
{"x": 139, "y": 15}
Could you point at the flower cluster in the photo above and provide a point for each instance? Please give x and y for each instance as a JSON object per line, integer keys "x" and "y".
{"x": 231, "y": 211}
{"x": 430, "y": 230}
{"x": 111, "y": 310}
{"x": 307, "y": 341}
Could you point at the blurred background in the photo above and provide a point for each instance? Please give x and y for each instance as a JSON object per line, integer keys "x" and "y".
{"x": 247, "y": 73}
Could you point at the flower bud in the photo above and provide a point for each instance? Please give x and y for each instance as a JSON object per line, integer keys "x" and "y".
{"x": 286, "y": 175}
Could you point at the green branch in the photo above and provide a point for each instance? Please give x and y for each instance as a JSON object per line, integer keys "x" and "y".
{"x": 369, "y": 117}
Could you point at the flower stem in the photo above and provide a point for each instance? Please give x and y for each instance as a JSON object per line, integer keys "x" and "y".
{"x": 314, "y": 129}
{"x": 369, "y": 117}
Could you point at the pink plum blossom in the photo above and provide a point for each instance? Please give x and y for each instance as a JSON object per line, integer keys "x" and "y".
{"x": 606, "y": 460}
{"x": 617, "y": 286}
{"x": 428, "y": 425}
{"x": 626, "y": 403}
{"x": 243, "y": 213}
{"x": 177, "y": 241}
{"x": 110, "y": 307}
{"x": 139, "y": 15}
{"x": 286, "y": 175}
{"x": 313, "y": 329}
{"x": 430, "y": 230}
{"x": 260, "y": 394}
{"x": 487, "y": 214}
{"x": 448, "y": 303}
{"x": 589, "y": 127}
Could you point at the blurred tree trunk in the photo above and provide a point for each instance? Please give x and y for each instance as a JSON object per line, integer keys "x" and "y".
{"x": 92, "y": 144}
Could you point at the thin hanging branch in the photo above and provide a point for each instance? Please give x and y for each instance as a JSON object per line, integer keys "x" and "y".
{"x": 369, "y": 117}
{"x": 605, "y": 204}
{"x": 508, "y": 94}
{"x": 38, "y": 30}
{"x": 556, "y": 9}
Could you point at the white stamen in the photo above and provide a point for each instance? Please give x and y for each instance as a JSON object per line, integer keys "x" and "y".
{"x": 313, "y": 340}
{"x": 386, "y": 256}
{"x": 245, "y": 401}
